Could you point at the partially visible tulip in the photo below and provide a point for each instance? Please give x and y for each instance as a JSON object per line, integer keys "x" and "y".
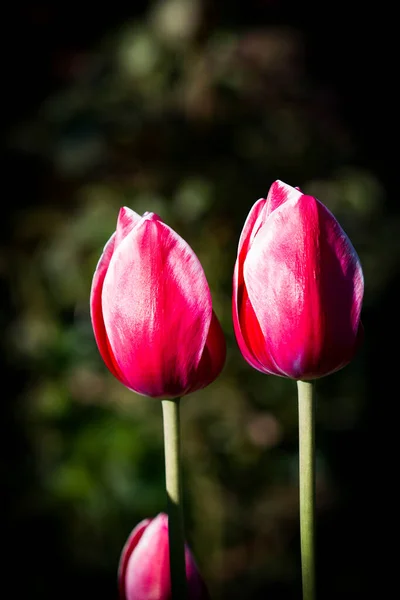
{"x": 151, "y": 310}
{"x": 143, "y": 572}
{"x": 298, "y": 288}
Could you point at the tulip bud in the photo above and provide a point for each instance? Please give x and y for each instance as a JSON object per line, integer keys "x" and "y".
{"x": 297, "y": 289}
{"x": 144, "y": 570}
{"x": 151, "y": 310}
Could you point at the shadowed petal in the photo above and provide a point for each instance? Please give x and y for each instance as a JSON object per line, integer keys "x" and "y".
{"x": 213, "y": 357}
{"x": 341, "y": 288}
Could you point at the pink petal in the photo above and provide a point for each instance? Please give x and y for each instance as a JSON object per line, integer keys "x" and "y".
{"x": 342, "y": 291}
{"x": 251, "y": 226}
{"x": 278, "y": 194}
{"x": 249, "y": 336}
{"x": 254, "y": 220}
{"x": 127, "y": 550}
{"x": 157, "y": 309}
{"x": 127, "y": 220}
{"x": 304, "y": 282}
{"x": 213, "y": 357}
{"x": 244, "y": 340}
{"x": 259, "y": 356}
{"x": 96, "y": 310}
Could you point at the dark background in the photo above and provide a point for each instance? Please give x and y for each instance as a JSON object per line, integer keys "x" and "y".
{"x": 113, "y": 106}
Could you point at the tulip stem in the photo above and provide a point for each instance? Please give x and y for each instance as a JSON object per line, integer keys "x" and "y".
{"x": 306, "y": 397}
{"x": 176, "y": 534}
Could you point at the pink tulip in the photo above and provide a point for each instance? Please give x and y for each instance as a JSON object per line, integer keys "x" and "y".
{"x": 143, "y": 572}
{"x": 298, "y": 288}
{"x": 151, "y": 310}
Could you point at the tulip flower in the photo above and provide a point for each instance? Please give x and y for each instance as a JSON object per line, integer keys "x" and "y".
{"x": 298, "y": 288}
{"x": 151, "y": 310}
{"x": 144, "y": 571}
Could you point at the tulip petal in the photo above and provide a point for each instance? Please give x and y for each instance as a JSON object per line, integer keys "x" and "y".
{"x": 127, "y": 550}
{"x": 252, "y": 342}
{"x": 96, "y": 310}
{"x": 304, "y": 282}
{"x": 213, "y": 357}
{"x": 342, "y": 291}
{"x": 251, "y": 226}
{"x": 248, "y": 333}
{"x": 196, "y": 586}
{"x": 127, "y": 220}
{"x": 157, "y": 309}
{"x": 278, "y": 194}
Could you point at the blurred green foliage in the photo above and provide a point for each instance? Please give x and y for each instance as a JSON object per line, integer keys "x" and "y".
{"x": 171, "y": 115}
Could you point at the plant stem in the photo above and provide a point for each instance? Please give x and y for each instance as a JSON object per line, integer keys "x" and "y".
{"x": 176, "y": 532}
{"x": 306, "y": 397}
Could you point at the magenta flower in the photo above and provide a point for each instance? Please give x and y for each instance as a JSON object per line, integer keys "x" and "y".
{"x": 298, "y": 288}
{"x": 143, "y": 572}
{"x": 151, "y": 310}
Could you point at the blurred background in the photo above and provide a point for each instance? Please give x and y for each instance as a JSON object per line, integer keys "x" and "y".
{"x": 190, "y": 109}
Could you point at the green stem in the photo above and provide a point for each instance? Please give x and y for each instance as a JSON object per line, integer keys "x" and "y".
{"x": 306, "y": 396}
{"x": 174, "y": 497}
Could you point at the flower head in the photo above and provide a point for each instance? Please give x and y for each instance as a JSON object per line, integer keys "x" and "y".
{"x": 151, "y": 310}
{"x": 298, "y": 288}
{"x": 144, "y": 570}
